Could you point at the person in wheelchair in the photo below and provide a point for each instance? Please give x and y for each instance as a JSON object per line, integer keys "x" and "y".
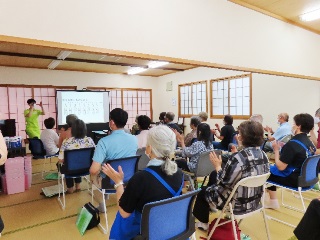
{"x": 288, "y": 164}
{"x": 250, "y": 161}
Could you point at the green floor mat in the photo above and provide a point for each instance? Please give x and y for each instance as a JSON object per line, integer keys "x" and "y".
{"x": 52, "y": 176}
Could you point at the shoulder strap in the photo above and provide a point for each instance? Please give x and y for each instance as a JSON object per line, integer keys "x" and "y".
{"x": 302, "y": 145}
{"x": 164, "y": 183}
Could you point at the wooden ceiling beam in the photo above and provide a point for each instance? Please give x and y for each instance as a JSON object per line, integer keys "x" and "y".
{"x": 36, "y": 56}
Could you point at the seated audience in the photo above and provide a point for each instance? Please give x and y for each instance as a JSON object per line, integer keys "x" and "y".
{"x": 250, "y": 161}
{"x": 161, "y": 118}
{"x": 308, "y": 228}
{"x": 118, "y": 144}
{"x": 283, "y": 130}
{"x": 135, "y": 128}
{"x": 169, "y": 121}
{"x": 192, "y": 136}
{"x": 204, "y": 117}
{"x": 145, "y": 186}
{"x": 49, "y": 137}
{"x": 256, "y": 118}
{"x": 77, "y": 140}
{"x": 144, "y": 124}
{"x": 193, "y": 152}
{"x": 67, "y": 132}
{"x": 287, "y": 167}
{"x": 225, "y": 134}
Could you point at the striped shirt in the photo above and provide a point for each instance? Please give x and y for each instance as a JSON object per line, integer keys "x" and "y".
{"x": 248, "y": 162}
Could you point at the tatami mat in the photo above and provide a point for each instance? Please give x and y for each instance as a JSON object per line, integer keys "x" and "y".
{"x": 30, "y": 215}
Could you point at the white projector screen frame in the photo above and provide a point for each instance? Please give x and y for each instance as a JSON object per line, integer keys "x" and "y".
{"x": 89, "y": 106}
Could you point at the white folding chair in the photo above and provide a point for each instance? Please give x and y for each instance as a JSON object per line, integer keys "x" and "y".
{"x": 252, "y": 182}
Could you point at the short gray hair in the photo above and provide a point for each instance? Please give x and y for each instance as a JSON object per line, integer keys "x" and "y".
{"x": 70, "y": 119}
{"x": 318, "y": 112}
{"x": 257, "y": 118}
{"x": 163, "y": 142}
{"x": 203, "y": 116}
{"x": 170, "y": 116}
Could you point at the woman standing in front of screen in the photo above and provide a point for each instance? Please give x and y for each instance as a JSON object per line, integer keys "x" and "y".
{"x": 31, "y": 115}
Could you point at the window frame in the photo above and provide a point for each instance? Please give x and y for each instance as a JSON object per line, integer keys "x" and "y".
{"x": 245, "y": 117}
{"x": 33, "y": 96}
{"x": 191, "y": 106}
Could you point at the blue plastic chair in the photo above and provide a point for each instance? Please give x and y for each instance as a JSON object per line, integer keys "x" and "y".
{"x": 76, "y": 163}
{"x": 130, "y": 167}
{"x": 169, "y": 218}
{"x": 38, "y": 152}
{"x": 307, "y": 179}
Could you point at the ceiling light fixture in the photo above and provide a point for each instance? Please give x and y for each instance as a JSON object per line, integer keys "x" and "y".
{"x": 63, "y": 55}
{"x": 136, "y": 70}
{"x": 54, "y": 64}
{"x": 156, "y": 64}
{"x": 310, "y": 16}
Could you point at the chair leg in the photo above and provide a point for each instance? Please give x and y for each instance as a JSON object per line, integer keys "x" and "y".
{"x": 62, "y": 202}
{"x": 233, "y": 223}
{"x": 216, "y": 223}
{"x": 44, "y": 167}
{"x": 265, "y": 223}
{"x": 106, "y": 228}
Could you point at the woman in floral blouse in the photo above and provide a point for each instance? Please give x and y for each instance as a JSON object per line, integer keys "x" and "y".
{"x": 77, "y": 141}
{"x": 193, "y": 152}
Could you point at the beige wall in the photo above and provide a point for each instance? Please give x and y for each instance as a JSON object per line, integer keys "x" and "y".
{"x": 216, "y": 31}
{"x": 270, "y": 94}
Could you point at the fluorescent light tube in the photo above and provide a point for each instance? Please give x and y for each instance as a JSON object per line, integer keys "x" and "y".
{"x": 156, "y": 64}
{"x": 310, "y": 16}
{"x": 63, "y": 55}
{"x": 54, "y": 64}
{"x": 135, "y": 70}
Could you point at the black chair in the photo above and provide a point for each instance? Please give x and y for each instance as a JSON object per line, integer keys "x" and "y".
{"x": 76, "y": 163}
{"x": 169, "y": 218}
{"x": 38, "y": 152}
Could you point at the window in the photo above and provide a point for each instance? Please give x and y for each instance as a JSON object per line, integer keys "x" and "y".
{"x": 134, "y": 101}
{"x": 192, "y": 98}
{"x": 231, "y": 96}
{"x": 15, "y": 102}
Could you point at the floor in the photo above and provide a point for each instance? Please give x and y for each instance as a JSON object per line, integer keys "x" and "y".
{"x": 29, "y": 215}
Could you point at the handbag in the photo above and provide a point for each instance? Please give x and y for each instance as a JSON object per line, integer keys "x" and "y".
{"x": 225, "y": 231}
{"x": 95, "y": 220}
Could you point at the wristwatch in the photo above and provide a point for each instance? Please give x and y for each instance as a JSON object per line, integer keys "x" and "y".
{"x": 118, "y": 184}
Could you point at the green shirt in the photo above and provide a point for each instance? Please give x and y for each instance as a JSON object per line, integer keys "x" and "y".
{"x": 32, "y": 125}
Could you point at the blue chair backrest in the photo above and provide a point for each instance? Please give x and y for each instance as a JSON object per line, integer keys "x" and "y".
{"x": 78, "y": 161}
{"x": 36, "y": 147}
{"x": 129, "y": 167}
{"x": 169, "y": 218}
{"x": 309, "y": 172}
